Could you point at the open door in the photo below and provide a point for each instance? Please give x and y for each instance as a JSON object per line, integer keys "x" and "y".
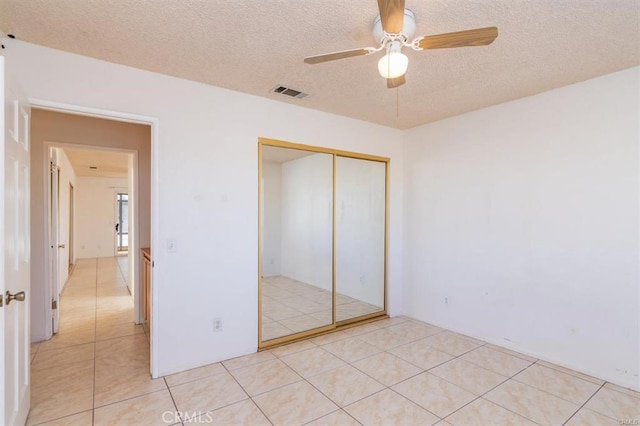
{"x": 122, "y": 222}
{"x": 71, "y": 225}
{"x": 15, "y": 275}
{"x": 54, "y": 244}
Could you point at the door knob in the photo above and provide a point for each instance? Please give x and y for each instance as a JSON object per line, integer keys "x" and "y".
{"x": 18, "y": 297}
{"x": 61, "y": 246}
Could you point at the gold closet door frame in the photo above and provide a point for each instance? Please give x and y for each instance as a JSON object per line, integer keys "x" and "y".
{"x": 335, "y": 325}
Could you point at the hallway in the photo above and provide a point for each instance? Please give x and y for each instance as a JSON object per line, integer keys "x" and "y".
{"x": 98, "y": 357}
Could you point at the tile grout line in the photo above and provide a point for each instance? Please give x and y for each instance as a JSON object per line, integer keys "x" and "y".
{"x": 491, "y": 389}
{"x": 164, "y": 378}
{"x": 113, "y": 338}
{"x": 93, "y": 299}
{"x": 334, "y": 402}
{"x": 128, "y": 398}
{"x": 549, "y": 393}
{"x": 351, "y": 363}
{"x": 585, "y": 403}
{"x": 408, "y": 362}
{"x": 512, "y": 378}
{"x": 421, "y": 372}
{"x": 359, "y": 337}
{"x": 308, "y": 297}
{"x": 385, "y": 387}
{"x": 245, "y": 391}
{"x": 489, "y": 401}
{"x": 427, "y": 370}
{"x": 481, "y": 344}
{"x": 303, "y": 379}
{"x": 340, "y": 409}
{"x": 60, "y": 418}
{"x": 507, "y": 378}
{"x": 616, "y": 390}
{"x": 568, "y": 371}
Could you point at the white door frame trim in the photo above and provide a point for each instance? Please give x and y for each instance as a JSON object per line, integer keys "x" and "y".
{"x": 153, "y": 122}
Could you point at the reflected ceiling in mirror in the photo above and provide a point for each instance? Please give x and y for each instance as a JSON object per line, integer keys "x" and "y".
{"x": 276, "y": 154}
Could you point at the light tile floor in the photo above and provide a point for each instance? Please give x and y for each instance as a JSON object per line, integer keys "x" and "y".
{"x": 290, "y": 306}
{"x": 389, "y": 372}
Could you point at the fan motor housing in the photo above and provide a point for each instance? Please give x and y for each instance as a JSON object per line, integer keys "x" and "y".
{"x": 408, "y": 27}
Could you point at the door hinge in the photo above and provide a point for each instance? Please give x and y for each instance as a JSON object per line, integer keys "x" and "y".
{"x": 54, "y": 304}
{"x": 0, "y": 300}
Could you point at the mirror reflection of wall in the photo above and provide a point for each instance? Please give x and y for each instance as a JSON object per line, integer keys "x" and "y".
{"x": 297, "y": 241}
{"x": 360, "y": 237}
{"x": 301, "y": 227}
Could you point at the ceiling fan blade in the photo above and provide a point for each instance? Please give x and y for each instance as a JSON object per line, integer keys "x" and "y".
{"x": 338, "y": 55}
{"x": 477, "y": 37}
{"x": 396, "y": 82}
{"x": 391, "y": 15}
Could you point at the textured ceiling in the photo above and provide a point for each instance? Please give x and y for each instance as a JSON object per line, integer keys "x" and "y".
{"x": 108, "y": 163}
{"x": 251, "y": 46}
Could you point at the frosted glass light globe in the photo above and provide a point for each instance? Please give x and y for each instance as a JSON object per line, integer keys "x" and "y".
{"x": 393, "y": 64}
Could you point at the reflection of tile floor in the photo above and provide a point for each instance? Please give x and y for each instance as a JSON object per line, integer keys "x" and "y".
{"x": 388, "y": 372}
{"x": 290, "y": 306}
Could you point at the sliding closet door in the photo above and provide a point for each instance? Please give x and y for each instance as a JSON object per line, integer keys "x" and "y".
{"x": 360, "y": 237}
{"x": 322, "y": 240}
{"x": 297, "y": 242}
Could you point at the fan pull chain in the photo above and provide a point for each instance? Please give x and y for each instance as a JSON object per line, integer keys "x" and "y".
{"x": 397, "y": 102}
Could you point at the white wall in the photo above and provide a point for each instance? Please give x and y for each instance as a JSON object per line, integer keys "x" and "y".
{"x": 205, "y": 192}
{"x": 96, "y": 215}
{"x": 307, "y": 215}
{"x": 66, "y": 177}
{"x": 272, "y": 200}
{"x": 525, "y": 215}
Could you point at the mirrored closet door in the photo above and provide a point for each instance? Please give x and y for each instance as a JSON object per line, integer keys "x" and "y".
{"x": 322, "y": 240}
{"x": 360, "y": 237}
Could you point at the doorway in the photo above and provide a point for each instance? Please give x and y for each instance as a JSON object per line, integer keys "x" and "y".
{"x": 108, "y": 133}
{"x": 102, "y": 185}
{"x": 122, "y": 223}
{"x": 71, "y": 226}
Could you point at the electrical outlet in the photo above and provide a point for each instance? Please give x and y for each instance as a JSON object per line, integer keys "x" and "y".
{"x": 446, "y": 300}
{"x": 172, "y": 245}
{"x": 217, "y": 325}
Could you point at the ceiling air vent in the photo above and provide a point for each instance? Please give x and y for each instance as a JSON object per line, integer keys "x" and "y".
{"x": 281, "y": 90}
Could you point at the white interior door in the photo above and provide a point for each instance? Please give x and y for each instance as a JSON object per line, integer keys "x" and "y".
{"x": 54, "y": 244}
{"x": 15, "y": 284}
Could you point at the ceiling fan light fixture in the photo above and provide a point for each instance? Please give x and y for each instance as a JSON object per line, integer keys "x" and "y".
{"x": 393, "y": 29}
{"x": 393, "y": 65}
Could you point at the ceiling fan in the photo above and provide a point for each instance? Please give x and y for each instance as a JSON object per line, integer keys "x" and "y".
{"x": 392, "y": 29}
